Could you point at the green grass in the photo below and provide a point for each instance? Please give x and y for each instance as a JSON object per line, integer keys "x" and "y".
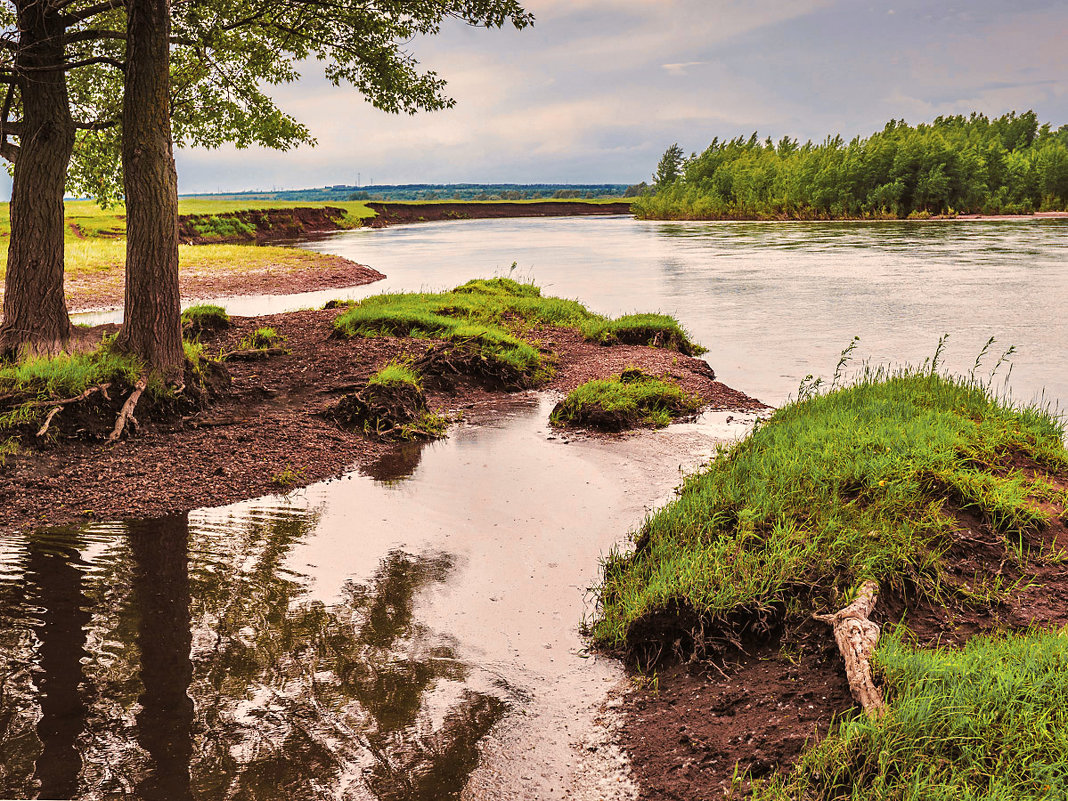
{"x": 36, "y": 378}
{"x": 835, "y": 489}
{"x": 655, "y": 330}
{"x": 8, "y": 447}
{"x": 628, "y": 400}
{"x": 394, "y": 373}
{"x": 428, "y": 426}
{"x": 288, "y": 477}
{"x": 987, "y": 721}
{"x": 498, "y": 315}
{"x": 204, "y": 317}
{"x": 261, "y": 339}
{"x": 66, "y": 375}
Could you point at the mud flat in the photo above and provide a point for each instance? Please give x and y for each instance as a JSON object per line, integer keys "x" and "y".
{"x": 271, "y": 421}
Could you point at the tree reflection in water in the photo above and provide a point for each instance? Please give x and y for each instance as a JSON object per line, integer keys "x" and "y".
{"x": 205, "y": 671}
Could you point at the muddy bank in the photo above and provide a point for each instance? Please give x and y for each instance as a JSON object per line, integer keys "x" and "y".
{"x": 272, "y": 424}
{"x": 272, "y": 272}
{"x": 397, "y": 213}
{"x": 261, "y": 225}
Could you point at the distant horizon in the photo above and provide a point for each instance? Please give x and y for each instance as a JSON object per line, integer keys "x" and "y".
{"x": 598, "y": 89}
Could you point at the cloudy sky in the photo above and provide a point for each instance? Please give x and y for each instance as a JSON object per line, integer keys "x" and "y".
{"x": 599, "y": 88}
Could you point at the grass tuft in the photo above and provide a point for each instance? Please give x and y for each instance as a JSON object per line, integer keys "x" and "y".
{"x": 395, "y": 373}
{"x": 628, "y": 400}
{"x": 203, "y": 319}
{"x": 66, "y": 375}
{"x": 654, "y": 330}
{"x": 262, "y": 339}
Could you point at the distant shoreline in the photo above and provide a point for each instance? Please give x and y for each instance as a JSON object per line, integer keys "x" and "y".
{"x": 1038, "y": 215}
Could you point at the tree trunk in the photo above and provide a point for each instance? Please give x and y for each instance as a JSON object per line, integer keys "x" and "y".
{"x": 35, "y": 310}
{"x": 152, "y": 328}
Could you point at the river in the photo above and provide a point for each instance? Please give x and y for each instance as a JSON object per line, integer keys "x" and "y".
{"x": 411, "y": 630}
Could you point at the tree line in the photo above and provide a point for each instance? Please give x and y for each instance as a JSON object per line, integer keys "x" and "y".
{"x": 95, "y": 93}
{"x": 956, "y": 164}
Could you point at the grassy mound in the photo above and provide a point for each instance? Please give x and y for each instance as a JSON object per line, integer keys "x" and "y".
{"x": 989, "y": 721}
{"x": 862, "y": 483}
{"x": 391, "y": 406}
{"x": 204, "y": 319}
{"x": 495, "y": 318}
{"x": 262, "y": 339}
{"x": 629, "y": 400}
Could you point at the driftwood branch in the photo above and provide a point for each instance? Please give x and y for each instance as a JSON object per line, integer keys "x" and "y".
{"x": 127, "y": 413}
{"x": 857, "y": 637}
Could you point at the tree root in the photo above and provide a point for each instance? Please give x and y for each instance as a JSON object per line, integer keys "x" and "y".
{"x": 59, "y": 404}
{"x": 857, "y": 637}
{"x": 67, "y": 401}
{"x": 126, "y": 415}
{"x": 48, "y": 421}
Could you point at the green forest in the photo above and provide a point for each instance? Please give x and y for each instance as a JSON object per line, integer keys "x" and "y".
{"x": 954, "y": 165}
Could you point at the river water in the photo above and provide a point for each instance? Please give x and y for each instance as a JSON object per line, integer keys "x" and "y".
{"x": 773, "y": 302}
{"x": 410, "y": 631}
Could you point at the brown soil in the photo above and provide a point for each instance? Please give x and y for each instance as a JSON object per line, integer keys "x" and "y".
{"x": 756, "y": 708}
{"x": 105, "y": 290}
{"x": 685, "y": 733}
{"x": 275, "y": 420}
{"x": 394, "y": 213}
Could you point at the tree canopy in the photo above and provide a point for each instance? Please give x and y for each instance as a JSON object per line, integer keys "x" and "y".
{"x": 964, "y": 164}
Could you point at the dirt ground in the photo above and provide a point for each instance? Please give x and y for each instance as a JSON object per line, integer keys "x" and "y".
{"x": 308, "y": 273}
{"x": 271, "y": 424}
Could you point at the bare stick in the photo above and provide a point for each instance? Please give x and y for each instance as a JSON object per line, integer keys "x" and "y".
{"x": 128, "y": 409}
{"x": 48, "y": 421}
{"x": 857, "y": 637}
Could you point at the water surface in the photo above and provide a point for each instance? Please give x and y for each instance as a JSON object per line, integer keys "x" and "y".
{"x": 356, "y": 639}
{"x": 775, "y": 301}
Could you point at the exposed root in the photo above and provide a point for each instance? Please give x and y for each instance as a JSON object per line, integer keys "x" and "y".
{"x": 59, "y": 404}
{"x": 857, "y": 637}
{"x": 448, "y": 364}
{"x": 387, "y": 411}
{"x": 126, "y": 415}
{"x": 48, "y": 421}
{"x": 67, "y": 401}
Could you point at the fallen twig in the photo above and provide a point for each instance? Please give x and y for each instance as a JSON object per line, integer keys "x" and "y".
{"x": 857, "y": 637}
{"x": 126, "y": 414}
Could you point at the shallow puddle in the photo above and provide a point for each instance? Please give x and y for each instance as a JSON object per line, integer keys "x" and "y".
{"x": 409, "y": 631}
